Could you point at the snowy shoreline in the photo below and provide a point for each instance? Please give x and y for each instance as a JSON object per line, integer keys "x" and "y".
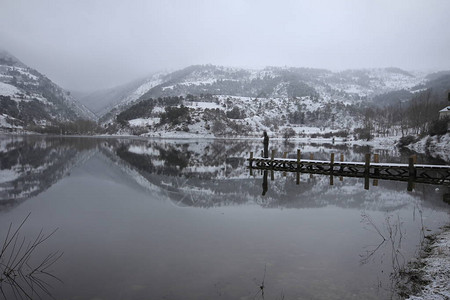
{"x": 435, "y": 146}
{"x": 429, "y": 276}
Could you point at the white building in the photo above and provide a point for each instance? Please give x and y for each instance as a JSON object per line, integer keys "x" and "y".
{"x": 445, "y": 112}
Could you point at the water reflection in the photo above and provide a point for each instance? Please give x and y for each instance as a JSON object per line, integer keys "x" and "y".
{"x": 441, "y": 189}
{"x": 215, "y": 175}
{"x": 193, "y": 173}
{"x": 30, "y": 165}
{"x": 265, "y": 184}
{"x": 390, "y": 234}
{"x": 123, "y": 237}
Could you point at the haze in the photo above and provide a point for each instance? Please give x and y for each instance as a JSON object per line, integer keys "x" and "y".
{"x": 89, "y": 45}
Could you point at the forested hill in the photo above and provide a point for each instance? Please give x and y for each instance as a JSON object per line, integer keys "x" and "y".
{"x": 29, "y": 99}
{"x": 221, "y": 101}
{"x": 273, "y": 82}
{"x": 207, "y": 100}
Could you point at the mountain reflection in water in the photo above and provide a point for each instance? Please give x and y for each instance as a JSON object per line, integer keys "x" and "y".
{"x": 29, "y": 165}
{"x": 184, "y": 219}
{"x": 216, "y": 176}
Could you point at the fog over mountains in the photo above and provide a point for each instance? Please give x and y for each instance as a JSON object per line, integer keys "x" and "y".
{"x": 89, "y": 46}
{"x": 212, "y": 100}
{"x": 270, "y": 82}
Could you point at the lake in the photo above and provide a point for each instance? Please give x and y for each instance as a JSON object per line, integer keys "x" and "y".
{"x": 184, "y": 219}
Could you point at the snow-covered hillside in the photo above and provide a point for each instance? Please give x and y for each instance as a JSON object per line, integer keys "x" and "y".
{"x": 284, "y": 82}
{"x": 254, "y": 100}
{"x": 29, "y": 98}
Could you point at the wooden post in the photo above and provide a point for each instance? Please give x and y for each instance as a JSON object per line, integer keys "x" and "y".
{"x": 366, "y": 172}
{"x": 367, "y": 165}
{"x": 410, "y": 187}
{"x": 272, "y": 157}
{"x": 366, "y": 182}
{"x": 311, "y": 157}
{"x": 299, "y": 154}
{"x": 331, "y": 168}
{"x": 376, "y": 159}
{"x": 412, "y": 172}
{"x": 412, "y": 169}
{"x": 251, "y": 162}
{"x": 342, "y": 160}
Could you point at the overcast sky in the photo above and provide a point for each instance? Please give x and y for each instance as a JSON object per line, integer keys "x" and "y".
{"x": 94, "y": 44}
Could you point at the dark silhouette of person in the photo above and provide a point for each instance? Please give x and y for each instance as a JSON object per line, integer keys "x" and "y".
{"x": 266, "y": 145}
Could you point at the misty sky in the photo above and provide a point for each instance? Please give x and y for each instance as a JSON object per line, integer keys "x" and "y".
{"x": 94, "y": 44}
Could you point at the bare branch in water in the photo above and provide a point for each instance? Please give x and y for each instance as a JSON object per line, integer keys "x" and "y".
{"x": 368, "y": 221}
{"x": 392, "y": 229}
{"x": 261, "y": 286}
{"x": 18, "y": 275}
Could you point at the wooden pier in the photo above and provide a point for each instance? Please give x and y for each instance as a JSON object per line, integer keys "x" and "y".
{"x": 411, "y": 172}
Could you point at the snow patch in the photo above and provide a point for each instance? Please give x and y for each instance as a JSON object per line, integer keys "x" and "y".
{"x": 140, "y": 122}
{"x": 143, "y": 150}
{"x": 202, "y": 105}
{"x": 8, "y": 175}
{"x": 5, "y": 124}
{"x": 8, "y": 90}
{"x": 437, "y": 270}
{"x": 437, "y": 146}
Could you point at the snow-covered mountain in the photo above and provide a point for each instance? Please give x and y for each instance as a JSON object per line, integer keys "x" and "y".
{"x": 276, "y": 82}
{"x": 254, "y": 100}
{"x": 209, "y": 100}
{"x": 29, "y": 98}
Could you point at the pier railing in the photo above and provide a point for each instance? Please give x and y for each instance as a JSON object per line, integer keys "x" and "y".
{"x": 411, "y": 172}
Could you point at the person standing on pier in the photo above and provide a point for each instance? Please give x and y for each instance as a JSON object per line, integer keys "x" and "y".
{"x": 266, "y": 145}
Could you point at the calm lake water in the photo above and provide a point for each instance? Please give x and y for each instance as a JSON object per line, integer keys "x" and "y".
{"x": 184, "y": 219}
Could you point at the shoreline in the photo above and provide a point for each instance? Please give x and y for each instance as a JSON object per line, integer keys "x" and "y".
{"x": 428, "y": 277}
{"x": 436, "y": 147}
